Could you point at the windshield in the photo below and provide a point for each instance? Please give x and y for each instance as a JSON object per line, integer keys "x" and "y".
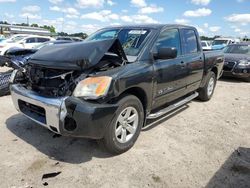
{"x": 131, "y": 39}
{"x": 219, "y": 42}
{"x": 238, "y": 49}
{"x": 18, "y": 38}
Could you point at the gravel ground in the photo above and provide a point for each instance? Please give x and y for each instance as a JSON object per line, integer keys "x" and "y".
{"x": 200, "y": 145}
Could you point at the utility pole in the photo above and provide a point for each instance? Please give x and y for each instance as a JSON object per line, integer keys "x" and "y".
{"x": 28, "y": 20}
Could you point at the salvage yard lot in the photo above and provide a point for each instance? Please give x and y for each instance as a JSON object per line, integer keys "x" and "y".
{"x": 201, "y": 145}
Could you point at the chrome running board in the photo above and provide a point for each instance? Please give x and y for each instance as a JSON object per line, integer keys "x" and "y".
{"x": 172, "y": 107}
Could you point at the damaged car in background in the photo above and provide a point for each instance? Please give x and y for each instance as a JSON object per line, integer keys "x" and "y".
{"x": 107, "y": 86}
{"x": 15, "y": 59}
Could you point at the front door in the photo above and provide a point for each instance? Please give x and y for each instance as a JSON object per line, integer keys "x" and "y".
{"x": 170, "y": 74}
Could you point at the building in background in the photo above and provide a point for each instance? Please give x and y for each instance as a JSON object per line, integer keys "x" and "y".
{"x": 8, "y": 30}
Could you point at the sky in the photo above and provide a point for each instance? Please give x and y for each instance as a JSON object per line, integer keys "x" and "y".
{"x": 210, "y": 17}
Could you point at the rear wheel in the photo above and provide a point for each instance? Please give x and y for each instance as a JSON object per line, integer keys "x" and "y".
{"x": 125, "y": 127}
{"x": 206, "y": 93}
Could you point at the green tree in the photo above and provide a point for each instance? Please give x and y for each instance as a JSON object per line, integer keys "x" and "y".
{"x": 34, "y": 25}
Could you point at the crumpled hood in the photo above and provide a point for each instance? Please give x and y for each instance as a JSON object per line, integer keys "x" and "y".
{"x": 76, "y": 56}
{"x": 236, "y": 57}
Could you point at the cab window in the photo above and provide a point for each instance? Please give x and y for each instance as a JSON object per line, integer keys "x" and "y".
{"x": 168, "y": 39}
{"x": 189, "y": 41}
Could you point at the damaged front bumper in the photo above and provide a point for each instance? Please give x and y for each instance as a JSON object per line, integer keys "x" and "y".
{"x": 68, "y": 116}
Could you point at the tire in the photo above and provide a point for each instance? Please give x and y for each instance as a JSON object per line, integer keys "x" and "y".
{"x": 115, "y": 140}
{"x": 206, "y": 93}
{"x": 4, "y": 83}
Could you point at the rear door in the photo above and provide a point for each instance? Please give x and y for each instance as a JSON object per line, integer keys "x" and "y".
{"x": 30, "y": 42}
{"x": 194, "y": 58}
{"x": 170, "y": 74}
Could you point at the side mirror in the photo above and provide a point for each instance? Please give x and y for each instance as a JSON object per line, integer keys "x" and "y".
{"x": 166, "y": 53}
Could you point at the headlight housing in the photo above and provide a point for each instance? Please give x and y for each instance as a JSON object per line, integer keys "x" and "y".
{"x": 244, "y": 62}
{"x": 93, "y": 87}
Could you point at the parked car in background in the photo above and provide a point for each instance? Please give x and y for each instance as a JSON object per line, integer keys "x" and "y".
{"x": 12, "y": 38}
{"x": 220, "y": 43}
{"x": 108, "y": 85}
{"x": 206, "y": 45}
{"x": 237, "y": 61}
{"x": 2, "y": 38}
{"x": 23, "y": 42}
{"x": 16, "y": 58}
{"x": 75, "y": 39}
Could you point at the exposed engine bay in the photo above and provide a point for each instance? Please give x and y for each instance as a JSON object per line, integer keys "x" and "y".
{"x": 55, "y": 80}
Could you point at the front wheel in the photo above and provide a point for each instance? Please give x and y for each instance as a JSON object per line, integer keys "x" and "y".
{"x": 125, "y": 127}
{"x": 206, "y": 93}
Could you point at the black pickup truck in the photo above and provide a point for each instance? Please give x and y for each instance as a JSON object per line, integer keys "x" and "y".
{"x": 106, "y": 87}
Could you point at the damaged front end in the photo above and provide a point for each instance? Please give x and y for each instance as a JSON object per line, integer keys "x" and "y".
{"x": 56, "y": 70}
{"x": 57, "y": 78}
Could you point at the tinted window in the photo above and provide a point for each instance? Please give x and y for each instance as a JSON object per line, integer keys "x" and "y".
{"x": 42, "y": 39}
{"x": 203, "y": 44}
{"x": 238, "y": 49}
{"x": 31, "y": 40}
{"x": 169, "y": 38}
{"x": 189, "y": 41}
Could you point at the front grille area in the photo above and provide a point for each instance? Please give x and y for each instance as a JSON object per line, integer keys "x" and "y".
{"x": 33, "y": 111}
{"x": 50, "y": 82}
{"x": 228, "y": 66}
{"x": 4, "y": 80}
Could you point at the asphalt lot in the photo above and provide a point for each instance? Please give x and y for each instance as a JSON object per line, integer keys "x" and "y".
{"x": 200, "y": 145}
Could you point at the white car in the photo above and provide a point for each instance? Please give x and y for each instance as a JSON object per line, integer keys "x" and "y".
{"x": 23, "y": 42}
{"x": 206, "y": 45}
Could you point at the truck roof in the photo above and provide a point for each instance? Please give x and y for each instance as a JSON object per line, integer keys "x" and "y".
{"x": 151, "y": 26}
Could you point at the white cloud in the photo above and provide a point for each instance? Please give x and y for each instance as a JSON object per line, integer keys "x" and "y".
{"x": 201, "y": 2}
{"x": 200, "y": 30}
{"x": 7, "y": 15}
{"x": 124, "y": 10}
{"x": 198, "y": 13}
{"x": 31, "y": 8}
{"x": 55, "y": 1}
{"x": 206, "y": 25}
{"x": 7, "y": 1}
{"x": 69, "y": 11}
{"x": 182, "y": 21}
{"x": 242, "y": 19}
{"x": 110, "y": 2}
{"x": 90, "y": 28}
{"x": 214, "y": 29}
{"x": 138, "y": 19}
{"x": 151, "y": 9}
{"x": 138, "y": 3}
{"x": 30, "y": 15}
{"x": 237, "y": 30}
{"x": 90, "y": 3}
{"x": 102, "y": 16}
{"x": 55, "y": 8}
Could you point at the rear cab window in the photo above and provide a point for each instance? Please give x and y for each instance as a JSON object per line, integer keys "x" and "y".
{"x": 189, "y": 41}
